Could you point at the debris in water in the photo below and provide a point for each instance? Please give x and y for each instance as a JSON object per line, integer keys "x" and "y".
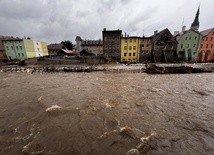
{"x": 133, "y": 152}
{"x": 53, "y": 108}
{"x": 32, "y": 150}
{"x": 146, "y": 139}
{"x": 108, "y": 105}
{"x": 127, "y": 131}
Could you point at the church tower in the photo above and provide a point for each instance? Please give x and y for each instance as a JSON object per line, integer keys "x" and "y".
{"x": 195, "y": 24}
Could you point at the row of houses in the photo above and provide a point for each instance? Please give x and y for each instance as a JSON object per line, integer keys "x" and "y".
{"x": 188, "y": 45}
{"x": 21, "y": 48}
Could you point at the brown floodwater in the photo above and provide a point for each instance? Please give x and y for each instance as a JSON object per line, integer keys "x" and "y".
{"x": 106, "y": 114}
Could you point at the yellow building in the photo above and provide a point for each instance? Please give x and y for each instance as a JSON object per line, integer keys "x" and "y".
{"x": 130, "y": 48}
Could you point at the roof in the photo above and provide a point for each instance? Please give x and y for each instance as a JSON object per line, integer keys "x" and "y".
{"x": 55, "y": 46}
{"x": 206, "y": 32}
{"x": 68, "y": 51}
{"x": 157, "y": 36}
{"x": 178, "y": 37}
{"x": 131, "y": 37}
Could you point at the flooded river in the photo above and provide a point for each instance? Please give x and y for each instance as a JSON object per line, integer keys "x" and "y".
{"x": 106, "y": 114}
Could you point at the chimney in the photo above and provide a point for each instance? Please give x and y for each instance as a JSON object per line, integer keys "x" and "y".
{"x": 125, "y": 34}
{"x": 176, "y": 33}
{"x": 104, "y": 29}
{"x": 183, "y": 28}
{"x": 155, "y": 32}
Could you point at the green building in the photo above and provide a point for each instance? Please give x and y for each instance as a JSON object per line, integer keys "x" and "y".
{"x": 21, "y": 49}
{"x": 189, "y": 41}
{"x": 188, "y": 45}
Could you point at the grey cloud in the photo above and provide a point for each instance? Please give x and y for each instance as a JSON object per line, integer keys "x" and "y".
{"x": 54, "y": 20}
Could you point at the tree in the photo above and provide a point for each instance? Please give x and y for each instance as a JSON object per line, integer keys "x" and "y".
{"x": 67, "y": 45}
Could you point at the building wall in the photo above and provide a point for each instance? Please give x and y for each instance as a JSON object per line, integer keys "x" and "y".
{"x": 188, "y": 47}
{"x": 2, "y": 50}
{"x": 15, "y": 49}
{"x": 29, "y": 48}
{"x": 145, "y": 49}
{"x": 130, "y": 48}
{"x": 164, "y": 47}
{"x": 95, "y": 49}
{"x": 112, "y": 44}
{"x": 38, "y": 48}
{"x": 44, "y": 48}
{"x": 206, "y": 53}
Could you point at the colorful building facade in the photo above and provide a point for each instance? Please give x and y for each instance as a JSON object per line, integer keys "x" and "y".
{"x": 206, "y": 53}
{"x": 130, "y": 49}
{"x": 21, "y": 49}
{"x": 2, "y": 50}
{"x": 188, "y": 45}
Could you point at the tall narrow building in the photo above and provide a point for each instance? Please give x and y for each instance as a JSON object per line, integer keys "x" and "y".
{"x": 112, "y": 44}
{"x": 195, "y": 25}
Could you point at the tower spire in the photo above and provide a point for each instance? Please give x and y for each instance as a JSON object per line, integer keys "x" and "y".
{"x": 195, "y": 25}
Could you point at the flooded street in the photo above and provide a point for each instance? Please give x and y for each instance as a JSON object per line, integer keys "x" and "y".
{"x": 104, "y": 113}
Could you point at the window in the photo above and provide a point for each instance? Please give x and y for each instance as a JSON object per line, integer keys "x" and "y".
{"x": 130, "y": 40}
{"x": 182, "y": 45}
{"x": 106, "y": 38}
{"x": 125, "y": 47}
{"x": 37, "y": 43}
{"x": 125, "y": 54}
{"x": 142, "y": 45}
{"x": 211, "y": 45}
{"x": 190, "y": 38}
{"x": 211, "y": 38}
{"x": 130, "y": 54}
{"x": 12, "y": 47}
{"x": 106, "y": 46}
{"x": 147, "y": 45}
{"x": 194, "y": 46}
{"x": 186, "y": 38}
{"x": 134, "y": 40}
{"x": 195, "y": 38}
{"x": 206, "y": 38}
{"x": 207, "y": 46}
{"x": 134, "y": 54}
{"x": 125, "y": 41}
{"x": 38, "y": 49}
{"x": 19, "y": 54}
{"x": 201, "y": 45}
{"x": 7, "y": 48}
{"x": 17, "y": 47}
{"x": 187, "y": 45}
{"x": 20, "y": 47}
{"x": 130, "y": 48}
{"x": 134, "y": 48}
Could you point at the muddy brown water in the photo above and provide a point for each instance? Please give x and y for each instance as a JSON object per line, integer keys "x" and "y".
{"x": 106, "y": 113}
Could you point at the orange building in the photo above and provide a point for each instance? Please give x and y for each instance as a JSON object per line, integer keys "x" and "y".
{"x": 206, "y": 53}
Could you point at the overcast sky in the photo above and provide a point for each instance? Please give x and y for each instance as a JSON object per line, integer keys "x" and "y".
{"x": 57, "y": 20}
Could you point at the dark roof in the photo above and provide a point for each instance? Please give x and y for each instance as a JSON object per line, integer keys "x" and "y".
{"x": 206, "y": 32}
{"x": 131, "y": 37}
{"x": 157, "y": 36}
{"x": 112, "y": 30}
{"x": 55, "y": 46}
